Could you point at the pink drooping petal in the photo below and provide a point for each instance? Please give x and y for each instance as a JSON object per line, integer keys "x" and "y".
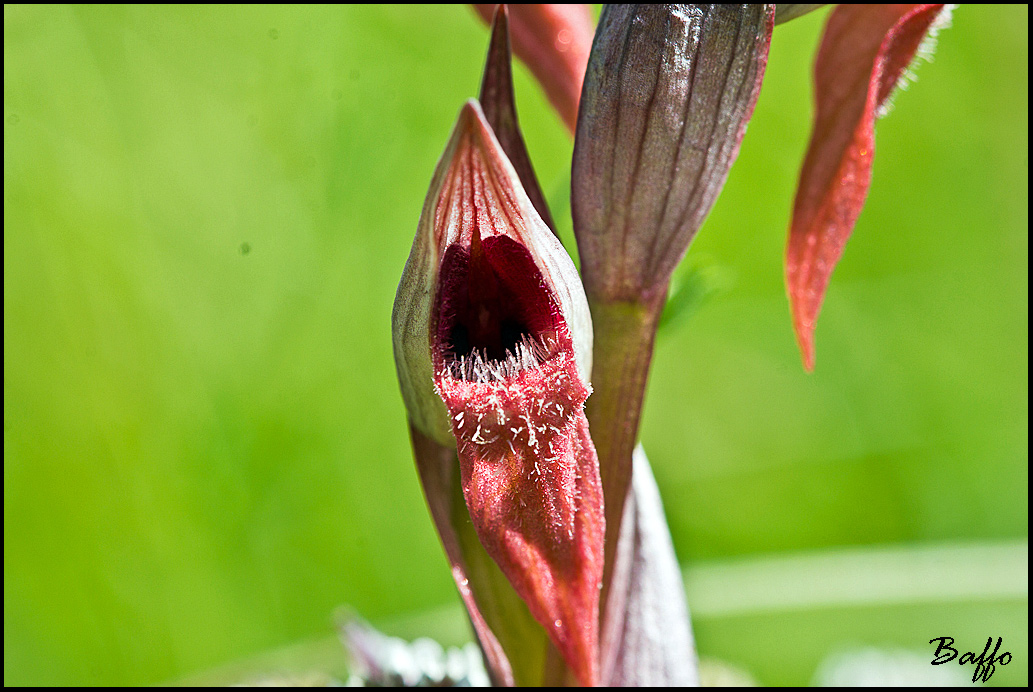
{"x": 864, "y": 52}
{"x": 554, "y": 41}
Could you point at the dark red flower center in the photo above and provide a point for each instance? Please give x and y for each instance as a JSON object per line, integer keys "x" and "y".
{"x": 495, "y": 314}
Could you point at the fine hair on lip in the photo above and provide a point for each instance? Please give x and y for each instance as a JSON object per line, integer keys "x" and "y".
{"x": 477, "y": 366}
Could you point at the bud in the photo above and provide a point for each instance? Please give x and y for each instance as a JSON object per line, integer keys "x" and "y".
{"x": 493, "y": 344}
{"x": 666, "y": 99}
{"x": 667, "y": 96}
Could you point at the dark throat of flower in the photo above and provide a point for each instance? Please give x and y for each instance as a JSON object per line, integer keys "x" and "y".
{"x": 495, "y": 317}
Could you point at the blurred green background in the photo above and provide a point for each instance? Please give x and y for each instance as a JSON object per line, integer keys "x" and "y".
{"x": 206, "y": 211}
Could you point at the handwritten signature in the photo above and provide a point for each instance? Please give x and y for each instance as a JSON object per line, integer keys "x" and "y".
{"x": 985, "y": 667}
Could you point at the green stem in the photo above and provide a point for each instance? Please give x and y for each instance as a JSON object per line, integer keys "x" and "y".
{"x": 624, "y": 335}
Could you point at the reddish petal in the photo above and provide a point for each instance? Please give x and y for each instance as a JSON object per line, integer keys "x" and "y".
{"x": 499, "y": 106}
{"x": 863, "y": 53}
{"x": 554, "y": 41}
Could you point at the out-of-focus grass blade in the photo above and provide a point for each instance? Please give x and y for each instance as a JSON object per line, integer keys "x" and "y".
{"x": 861, "y": 577}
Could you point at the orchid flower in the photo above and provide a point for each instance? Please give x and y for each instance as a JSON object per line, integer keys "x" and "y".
{"x": 524, "y": 381}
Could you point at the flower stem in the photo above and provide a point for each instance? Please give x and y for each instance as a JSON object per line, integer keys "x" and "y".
{"x": 625, "y": 332}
